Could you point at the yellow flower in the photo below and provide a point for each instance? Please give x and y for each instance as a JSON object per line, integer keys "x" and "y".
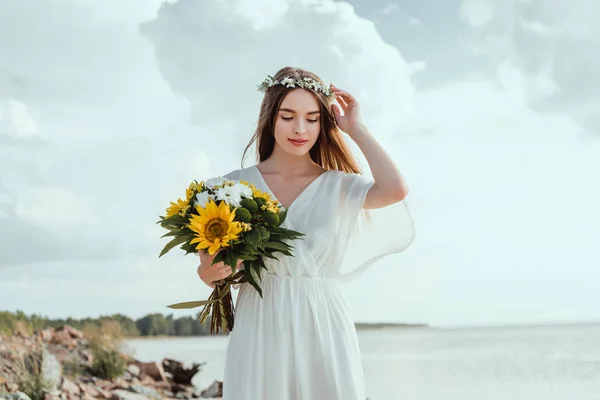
{"x": 189, "y": 192}
{"x": 245, "y": 226}
{"x": 177, "y": 208}
{"x": 214, "y": 227}
{"x": 274, "y": 207}
{"x": 264, "y": 195}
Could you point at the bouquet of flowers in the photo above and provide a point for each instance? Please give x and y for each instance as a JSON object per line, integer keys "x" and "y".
{"x": 236, "y": 220}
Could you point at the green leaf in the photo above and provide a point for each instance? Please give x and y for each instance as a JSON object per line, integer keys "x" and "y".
{"x": 222, "y": 291}
{"x": 277, "y": 246}
{"x": 253, "y": 237}
{"x": 192, "y": 304}
{"x": 173, "y": 243}
{"x": 252, "y": 280}
{"x": 219, "y": 257}
{"x": 174, "y": 232}
{"x": 282, "y": 216}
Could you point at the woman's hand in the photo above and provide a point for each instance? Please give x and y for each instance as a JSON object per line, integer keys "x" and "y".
{"x": 350, "y": 121}
{"x": 212, "y": 273}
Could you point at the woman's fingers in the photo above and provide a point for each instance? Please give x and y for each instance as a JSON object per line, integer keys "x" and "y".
{"x": 348, "y": 98}
{"x": 342, "y": 103}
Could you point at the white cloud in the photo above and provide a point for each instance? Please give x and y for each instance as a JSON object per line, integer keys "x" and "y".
{"x": 329, "y": 39}
{"x": 416, "y": 66}
{"x": 505, "y": 212}
{"x": 127, "y": 127}
{"x": 16, "y": 121}
{"x": 415, "y": 22}
{"x": 54, "y": 207}
{"x": 390, "y": 8}
{"x": 555, "y": 45}
{"x": 477, "y": 13}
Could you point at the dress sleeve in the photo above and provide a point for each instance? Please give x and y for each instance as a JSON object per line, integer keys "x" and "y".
{"x": 367, "y": 235}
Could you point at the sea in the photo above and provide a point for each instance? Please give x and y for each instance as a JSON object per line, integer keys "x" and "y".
{"x": 507, "y": 363}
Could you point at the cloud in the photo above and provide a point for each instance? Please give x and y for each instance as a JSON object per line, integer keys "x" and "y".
{"x": 553, "y": 45}
{"x": 16, "y": 121}
{"x": 101, "y": 132}
{"x": 477, "y": 13}
{"x": 328, "y": 38}
{"x": 133, "y": 105}
{"x": 390, "y": 8}
{"x": 87, "y": 128}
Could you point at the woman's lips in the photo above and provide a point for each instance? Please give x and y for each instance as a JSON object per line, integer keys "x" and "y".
{"x": 298, "y": 142}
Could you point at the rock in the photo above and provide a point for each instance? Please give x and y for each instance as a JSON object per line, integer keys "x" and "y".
{"x": 120, "y": 394}
{"x": 103, "y": 394}
{"x": 65, "y": 351}
{"x": 128, "y": 377}
{"x": 92, "y": 391}
{"x": 69, "y": 387}
{"x": 153, "y": 369}
{"x": 179, "y": 373}
{"x": 134, "y": 370}
{"x": 51, "y": 368}
{"x": 64, "y": 339}
{"x": 146, "y": 391}
{"x": 46, "y": 335}
{"x": 52, "y": 396}
{"x": 214, "y": 390}
{"x": 16, "y": 396}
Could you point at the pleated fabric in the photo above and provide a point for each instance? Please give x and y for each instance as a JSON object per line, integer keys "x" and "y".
{"x": 298, "y": 342}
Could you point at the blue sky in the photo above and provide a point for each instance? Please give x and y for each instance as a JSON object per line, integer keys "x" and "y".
{"x": 108, "y": 109}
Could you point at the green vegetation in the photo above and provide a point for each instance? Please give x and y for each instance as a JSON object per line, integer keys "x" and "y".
{"x": 149, "y": 325}
{"x": 106, "y": 342}
{"x": 30, "y": 379}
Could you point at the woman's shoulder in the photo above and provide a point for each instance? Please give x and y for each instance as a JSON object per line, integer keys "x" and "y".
{"x": 239, "y": 173}
{"x": 349, "y": 177}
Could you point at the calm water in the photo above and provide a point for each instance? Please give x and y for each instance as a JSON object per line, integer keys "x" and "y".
{"x": 546, "y": 363}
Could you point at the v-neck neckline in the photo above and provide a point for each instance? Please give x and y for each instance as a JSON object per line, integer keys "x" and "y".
{"x": 260, "y": 175}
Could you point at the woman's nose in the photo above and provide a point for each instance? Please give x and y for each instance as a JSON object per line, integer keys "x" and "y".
{"x": 300, "y": 128}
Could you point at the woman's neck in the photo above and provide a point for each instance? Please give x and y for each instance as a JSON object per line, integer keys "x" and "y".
{"x": 286, "y": 164}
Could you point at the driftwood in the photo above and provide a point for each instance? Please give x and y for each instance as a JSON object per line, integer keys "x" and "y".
{"x": 180, "y": 374}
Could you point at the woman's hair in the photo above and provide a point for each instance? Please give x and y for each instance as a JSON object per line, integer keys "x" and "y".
{"x": 330, "y": 150}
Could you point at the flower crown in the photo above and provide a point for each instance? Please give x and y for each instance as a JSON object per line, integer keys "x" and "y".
{"x": 305, "y": 83}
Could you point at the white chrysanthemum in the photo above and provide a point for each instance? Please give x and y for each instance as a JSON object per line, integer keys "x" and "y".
{"x": 214, "y": 182}
{"x": 202, "y": 198}
{"x": 244, "y": 190}
{"x": 230, "y": 195}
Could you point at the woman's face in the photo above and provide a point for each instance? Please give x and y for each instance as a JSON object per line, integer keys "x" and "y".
{"x": 297, "y": 125}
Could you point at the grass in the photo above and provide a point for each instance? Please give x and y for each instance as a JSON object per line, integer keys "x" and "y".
{"x": 108, "y": 360}
{"x": 30, "y": 379}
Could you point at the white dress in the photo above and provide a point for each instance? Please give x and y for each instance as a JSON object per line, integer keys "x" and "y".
{"x": 298, "y": 342}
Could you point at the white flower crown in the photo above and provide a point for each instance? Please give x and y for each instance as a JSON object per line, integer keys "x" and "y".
{"x": 305, "y": 83}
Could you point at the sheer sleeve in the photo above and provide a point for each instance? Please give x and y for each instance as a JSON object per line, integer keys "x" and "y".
{"x": 367, "y": 235}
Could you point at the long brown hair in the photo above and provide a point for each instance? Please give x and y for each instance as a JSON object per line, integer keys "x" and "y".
{"x": 330, "y": 150}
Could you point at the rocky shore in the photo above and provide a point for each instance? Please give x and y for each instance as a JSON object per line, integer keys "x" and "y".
{"x": 58, "y": 364}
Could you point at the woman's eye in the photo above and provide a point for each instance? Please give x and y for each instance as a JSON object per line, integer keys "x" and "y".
{"x": 286, "y": 118}
{"x": 312, "y": 120}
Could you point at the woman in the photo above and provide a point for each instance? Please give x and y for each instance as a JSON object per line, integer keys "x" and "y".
{"x": 299, "y": 342}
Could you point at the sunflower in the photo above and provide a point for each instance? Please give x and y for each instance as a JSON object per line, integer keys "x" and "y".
{"x": 265, "y": 195}
{"x": 180, "y": 207}
{"x": 214, "y": 227}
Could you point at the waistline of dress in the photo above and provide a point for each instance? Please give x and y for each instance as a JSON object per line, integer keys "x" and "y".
{"x": 308, "y": 278}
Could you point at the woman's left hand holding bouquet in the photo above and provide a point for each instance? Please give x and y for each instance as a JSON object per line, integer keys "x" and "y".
{"x": 210, "y": 273}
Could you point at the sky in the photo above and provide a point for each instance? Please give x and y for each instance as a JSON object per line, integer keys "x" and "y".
{"x": 490, "y": 109}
